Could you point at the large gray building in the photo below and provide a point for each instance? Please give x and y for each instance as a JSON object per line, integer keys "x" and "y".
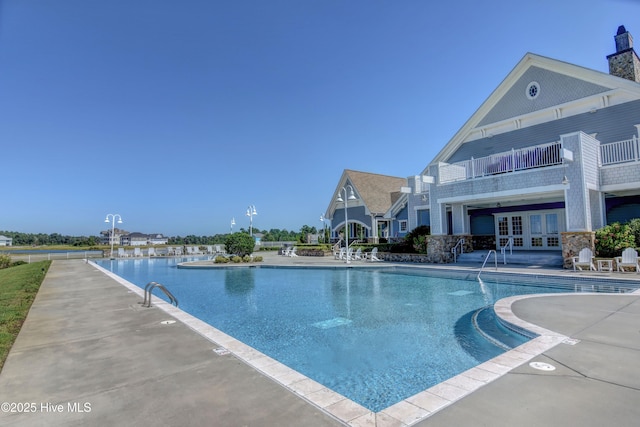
{"x": 549, "y": 157}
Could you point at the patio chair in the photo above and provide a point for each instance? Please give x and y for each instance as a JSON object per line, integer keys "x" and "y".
{"x": 137, "y": 252}
{"x": 286, "y": 251}
{"x": 629, "y": 259}
{"x": 350, "y": 254}
{"x": 341, "y": 254}
{"x": 152, "y": 252}
{"x": 373, "y": 256}
{"x": 584, "y": 259}
{"x": 122, "y": 253}
{"x": 293, "y": 252}
{"x": 358, "y": 254}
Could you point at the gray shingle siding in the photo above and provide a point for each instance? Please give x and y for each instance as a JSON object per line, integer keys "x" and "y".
{"x": 611, "y": 124}
{"x": 555, "y": 89}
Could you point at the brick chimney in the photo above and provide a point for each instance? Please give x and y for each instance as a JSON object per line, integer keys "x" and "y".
{"x": 625, "y": 62}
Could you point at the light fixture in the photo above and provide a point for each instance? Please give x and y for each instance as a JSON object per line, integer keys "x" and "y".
{"x": 351, "y": 196}
{"x": 113, "y": 227}
{"x": 251, "y": 211}
{"x": 565, "y": 180}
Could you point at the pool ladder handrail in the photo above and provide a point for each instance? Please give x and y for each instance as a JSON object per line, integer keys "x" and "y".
{"x": 150, "y": 287}
{"x": 495, "y": 258}
{"x": 503, "y": 250}
{"x": 454, "y": 250}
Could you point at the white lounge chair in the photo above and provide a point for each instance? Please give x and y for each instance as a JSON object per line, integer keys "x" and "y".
{"x": 341, "y": 254}
{"x": 373, "y": 256}
{"x": 152, "y": 252}
{"x": 137, "y": 252}
{"x": 584, "y": 259}
{"x": 349, "y": 254}
{"x": 286, "y": 251}
{"x": 293, "y": 252}
{"x": 122, "y": 253}
{"x": 629, "y": 259}
{"x": 358, "y": 254}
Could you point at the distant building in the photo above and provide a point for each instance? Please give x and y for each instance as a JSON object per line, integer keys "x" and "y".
{"x": 158, "y": 239}
{"x": 5, "y": 241}
{"x": 107, "y": 239}
{"x": 124, "y": 238}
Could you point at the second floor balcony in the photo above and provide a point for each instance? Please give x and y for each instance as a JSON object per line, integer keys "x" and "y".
{"x": 538, "y": 156}
{"x": 510, "y": 161}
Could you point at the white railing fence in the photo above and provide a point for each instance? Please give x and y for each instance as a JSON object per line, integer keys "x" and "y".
{"x": 620, "y": 152}
{"x": 509, "y": 161}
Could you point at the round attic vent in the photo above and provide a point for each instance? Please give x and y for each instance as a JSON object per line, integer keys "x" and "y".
{"x": 533, "y": 90}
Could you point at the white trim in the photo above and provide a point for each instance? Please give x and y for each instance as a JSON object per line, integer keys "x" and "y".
{"x": 610, "y": 188}
{"x": 530, "y": 192}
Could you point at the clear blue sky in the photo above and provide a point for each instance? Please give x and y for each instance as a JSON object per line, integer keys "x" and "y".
{"x": 178, "y": 115}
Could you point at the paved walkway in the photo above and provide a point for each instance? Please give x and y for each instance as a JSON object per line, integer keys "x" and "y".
{"x": 88, "y": 354}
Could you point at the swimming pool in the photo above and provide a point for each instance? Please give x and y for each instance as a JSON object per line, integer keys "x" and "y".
{"x": 376, "y": 336}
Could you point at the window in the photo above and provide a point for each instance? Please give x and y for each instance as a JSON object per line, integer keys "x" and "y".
{"x": 552, "y": 223}
{"x": 403, "y": 226}
{"x": 535, "y": 223}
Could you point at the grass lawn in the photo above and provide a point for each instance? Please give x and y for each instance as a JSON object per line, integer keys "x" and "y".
{"x": 18, "y": 288}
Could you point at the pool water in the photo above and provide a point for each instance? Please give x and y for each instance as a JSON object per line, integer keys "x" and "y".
{"x": 372, "y": 335}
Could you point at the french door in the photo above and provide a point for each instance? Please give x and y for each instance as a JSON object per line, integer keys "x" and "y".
{"x": 536, "y": 230}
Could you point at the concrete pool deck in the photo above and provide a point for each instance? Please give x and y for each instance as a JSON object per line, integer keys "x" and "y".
{"x": 88, "y": 354}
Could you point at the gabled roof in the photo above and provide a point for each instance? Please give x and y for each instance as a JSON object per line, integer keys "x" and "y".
{"x": 376, "y": 192}
{"x": 571, "y": 89}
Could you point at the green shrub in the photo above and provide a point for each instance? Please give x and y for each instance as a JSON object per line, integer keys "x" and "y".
{"x": 420, "y": 244}
{"x": 414, "y": 242}
{"x": 257, "y": 258}
{"x": 612, "y": 239}
{"x": 5, "y": 261}
{"x": 634, "y": 226}
{"x": 239, "y": 244}
{"x": 246, "y": 258}
{"x": 236, "y": 259}
{"x": 221, "y": 259}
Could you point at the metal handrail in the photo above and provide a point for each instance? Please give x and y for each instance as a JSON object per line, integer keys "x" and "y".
{"x": 486, "y": 259}
{"x": 150, "y": 287}
{"x": 454, "y": 250}
{"x": 503, "y": 250}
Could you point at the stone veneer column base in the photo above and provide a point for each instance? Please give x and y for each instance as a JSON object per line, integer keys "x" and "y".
{"x": 439, "y": 247}
{"x": 573, "y": 242}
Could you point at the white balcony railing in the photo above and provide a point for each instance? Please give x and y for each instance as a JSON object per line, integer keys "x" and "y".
{"x": 510, "y": 161}
{"x": 620, "y": 152}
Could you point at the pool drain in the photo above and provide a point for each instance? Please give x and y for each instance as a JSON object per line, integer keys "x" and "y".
{"x": 541, "y": 366}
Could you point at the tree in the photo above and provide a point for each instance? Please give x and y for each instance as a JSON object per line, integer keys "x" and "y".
{"x": 240, "y": 244}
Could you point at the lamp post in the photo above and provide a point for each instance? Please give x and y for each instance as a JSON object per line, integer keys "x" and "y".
{"x": 346, "y": 222}
{"x": 324, "y": 229}
{"x": 113, "y": 227}
{"x": 233, "y": 222}
{"x": 251, "y": 211}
